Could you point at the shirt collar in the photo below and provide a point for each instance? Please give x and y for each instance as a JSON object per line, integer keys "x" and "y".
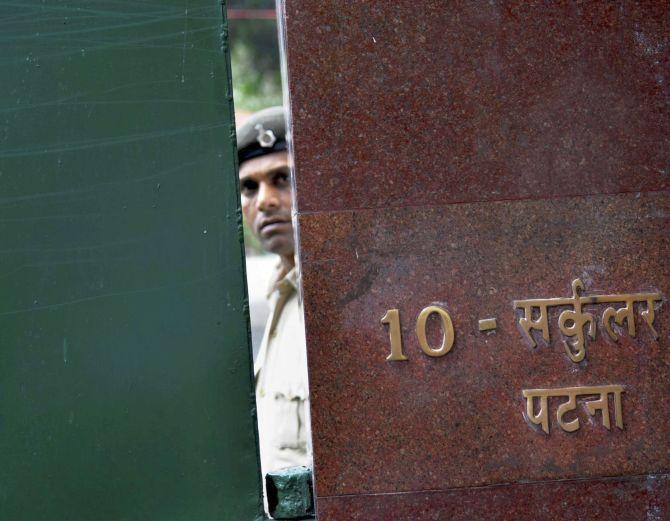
{"x": 283, "y": 282}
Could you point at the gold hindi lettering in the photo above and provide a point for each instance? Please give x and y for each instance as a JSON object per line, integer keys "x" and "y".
{"x": 541, "y": 417}
{"x": 574, "y": 322}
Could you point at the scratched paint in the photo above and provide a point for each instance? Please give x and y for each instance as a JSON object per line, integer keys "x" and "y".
{"x": 124, "y": 375}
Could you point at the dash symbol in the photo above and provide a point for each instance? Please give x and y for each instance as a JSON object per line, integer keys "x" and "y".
{"x": 487, "y": 324}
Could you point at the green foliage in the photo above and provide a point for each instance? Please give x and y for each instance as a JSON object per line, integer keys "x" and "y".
{"x": 251, "y": 4}
{"x": 254, "y": 54}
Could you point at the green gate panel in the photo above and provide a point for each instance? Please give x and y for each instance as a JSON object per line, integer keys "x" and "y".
{"x": 125, "y": 368}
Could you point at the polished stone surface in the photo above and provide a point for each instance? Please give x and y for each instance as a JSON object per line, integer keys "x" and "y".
{"x": 469, "y": 154}
{"x": 458, "y": 420}
{"x": 640, "y": 498}
{"x": 404, "y": 103}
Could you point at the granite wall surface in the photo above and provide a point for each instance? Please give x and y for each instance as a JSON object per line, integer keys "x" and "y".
{"x": 469, "y": 155}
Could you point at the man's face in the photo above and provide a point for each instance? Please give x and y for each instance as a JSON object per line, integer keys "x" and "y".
{"x": 266, "y": 201}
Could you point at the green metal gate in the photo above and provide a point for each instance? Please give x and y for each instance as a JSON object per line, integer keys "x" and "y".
{"x": 125, "y": 371}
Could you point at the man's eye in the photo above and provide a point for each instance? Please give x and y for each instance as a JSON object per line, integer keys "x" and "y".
{"x": 281, "y": 179}
{"x": 248, "y": 186}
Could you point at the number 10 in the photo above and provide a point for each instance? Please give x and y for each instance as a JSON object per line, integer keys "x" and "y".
{"x": 392, "y": 318}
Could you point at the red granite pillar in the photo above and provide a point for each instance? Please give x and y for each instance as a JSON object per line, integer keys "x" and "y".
{"x": 472, "y": 155}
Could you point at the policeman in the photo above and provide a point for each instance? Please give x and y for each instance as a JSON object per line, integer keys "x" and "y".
{"x": 281, "y": 365}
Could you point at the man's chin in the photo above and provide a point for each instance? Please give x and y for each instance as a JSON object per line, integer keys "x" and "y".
{"x": 279, "y": 245}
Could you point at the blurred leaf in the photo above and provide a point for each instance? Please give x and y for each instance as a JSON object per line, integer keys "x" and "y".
{"x": 255, "y": 64}
{"x": 251, "y": 4}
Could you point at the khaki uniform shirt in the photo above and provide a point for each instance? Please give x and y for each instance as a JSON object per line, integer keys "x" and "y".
{"x": 281, "y": 382}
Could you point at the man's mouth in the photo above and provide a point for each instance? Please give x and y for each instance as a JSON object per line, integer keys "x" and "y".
{"x": 272, "y": 225}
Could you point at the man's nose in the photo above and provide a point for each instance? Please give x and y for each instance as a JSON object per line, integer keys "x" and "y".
{"x": 268, "y": 197}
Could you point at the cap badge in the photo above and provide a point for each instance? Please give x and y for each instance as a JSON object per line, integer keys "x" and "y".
{"x": 265, "y": 138}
